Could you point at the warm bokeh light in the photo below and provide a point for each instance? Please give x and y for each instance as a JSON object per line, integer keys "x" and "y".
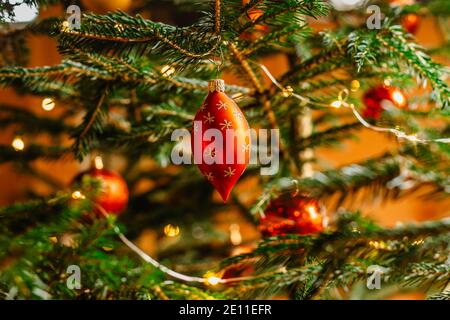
{"x": 336, "y": 104}
{"x": 354, "y": 85}
{"x": 171, "y": 230}
{"x": 77, "y": 195}
{"x": 18, "y": 144}
{"x": 98, "y": 162}
{"x": 398, "y": 98}
{"x": 235, "y": 234}
{"x": 48, "y": 104}
{"x": 312, "y": 210}
{"x": 212, "y": 278}
{"x": 287, "y": 92}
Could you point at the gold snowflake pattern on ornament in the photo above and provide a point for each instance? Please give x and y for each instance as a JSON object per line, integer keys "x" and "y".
{"x": 209, "y": 118}
{"x": 209, "y": 176}
{"x": 221, "y": 105}
{"x": 226, "y": 124}
{"x": 203, "y": 106}
{"x": 229, "y": 172}
{"x": 245, "y": 147}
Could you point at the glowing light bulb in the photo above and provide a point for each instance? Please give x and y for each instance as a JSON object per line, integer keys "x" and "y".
{"x": 48, "y": 104}
{"x": 287, "y": 92}
{"x": 412, "y": 137}
{"x": 312, "y": 211}
{"x": 18, "y": 144}
{"x": 398, "y": 97}
{"x": 387, "y": 81}
{"x": 354, "y": 85}
{"x": 65, "y": 27}
{"x": 77, "y": 195}
{"x": 212, "y": 278}
{"x": 235, "y": 234}
{"x": 98, "y": 163}
{"x": 171, "y": 231}
{"x": 336, "y": 104}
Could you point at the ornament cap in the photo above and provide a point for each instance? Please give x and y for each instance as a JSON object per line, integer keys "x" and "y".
{"x": 216, "y": 85}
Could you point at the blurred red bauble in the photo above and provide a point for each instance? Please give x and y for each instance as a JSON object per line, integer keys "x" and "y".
{"x": 113, "y": 196}
{"x": 377, "y": 99}
{"x": 293, "y": 214}
{"x": 410, "y": 22}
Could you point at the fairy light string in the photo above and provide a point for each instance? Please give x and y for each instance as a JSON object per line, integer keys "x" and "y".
{"x": 210, "y": 278}
{"x": 341, "y": 102}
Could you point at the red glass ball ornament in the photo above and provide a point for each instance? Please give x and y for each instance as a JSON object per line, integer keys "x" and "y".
{"x": 376, "y": 99}
{"x": 410, "y": 22}
{"x": 293, "y": 214}
{"x": 113, "y": 196}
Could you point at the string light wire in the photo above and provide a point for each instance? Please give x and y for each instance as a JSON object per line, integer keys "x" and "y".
{"x": 213, "y": 279}
{"x": 341, "y": 102}
{"x": 146, "y": 257}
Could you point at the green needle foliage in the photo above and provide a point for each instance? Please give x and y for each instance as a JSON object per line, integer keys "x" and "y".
{"x": 126, "y": 83}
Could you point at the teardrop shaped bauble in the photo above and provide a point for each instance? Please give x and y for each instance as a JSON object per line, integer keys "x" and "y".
{"x": 220, "y": 139}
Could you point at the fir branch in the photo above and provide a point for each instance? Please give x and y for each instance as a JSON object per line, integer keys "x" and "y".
{"x": 400, "y": 249}
{"x": 94, "y": 119}
{"x": 395, "y": 47}
{"x": 118, "y": 33}
{"x": 275, "y": 11}
{"x": 444, "y": 295}
{"x": 374, "y": 175}
{"x": 282, "y": 37}
{"x": 326, "y": 137}
{"x": 30, "y": 122}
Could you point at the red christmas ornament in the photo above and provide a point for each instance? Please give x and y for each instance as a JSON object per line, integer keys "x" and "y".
{"x": 411, "y": 22}
{"x": 376, "y": 99}
{"x": 113, "y": 196}
{"x": 293, "y": 214}
{"x": 220, "y": 139}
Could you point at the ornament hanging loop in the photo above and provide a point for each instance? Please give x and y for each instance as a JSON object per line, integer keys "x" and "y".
{"x": 343, "y": 95}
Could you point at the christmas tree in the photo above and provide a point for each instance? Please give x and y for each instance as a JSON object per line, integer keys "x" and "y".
{"x": 203, "y": 149}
